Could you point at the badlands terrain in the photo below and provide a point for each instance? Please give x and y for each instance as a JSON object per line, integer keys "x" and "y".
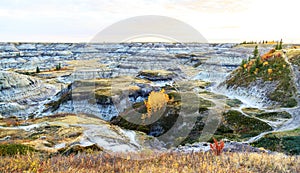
{"x": 65, "y": 98}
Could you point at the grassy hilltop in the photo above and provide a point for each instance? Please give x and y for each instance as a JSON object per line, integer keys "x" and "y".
{"x": 272, "y": 68}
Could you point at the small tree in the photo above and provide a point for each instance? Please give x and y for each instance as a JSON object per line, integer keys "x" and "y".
{"x": 156, "y": 101}
{"x": 257, "y": 62}
{"x": 255, "y": 52}
{"x": 280, "y": 45}
{"x": 37, "y": 69}
{"x": 243, "y": 63}
{"x": 252, "y": 68}
{"x": 58, "y": 67}
{"x": 277, "y": 46}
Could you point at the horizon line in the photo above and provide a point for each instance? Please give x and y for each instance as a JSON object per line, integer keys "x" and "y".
{"x": 75, "y": 42}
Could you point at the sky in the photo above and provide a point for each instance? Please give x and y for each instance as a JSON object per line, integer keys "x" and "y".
{"x": 81, "y": 20}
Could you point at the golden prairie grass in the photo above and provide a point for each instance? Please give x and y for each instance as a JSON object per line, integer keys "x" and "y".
{"x": 166, "y": 162}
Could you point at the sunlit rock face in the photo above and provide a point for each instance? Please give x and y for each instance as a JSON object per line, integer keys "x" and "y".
{"x": 62, "y": 133}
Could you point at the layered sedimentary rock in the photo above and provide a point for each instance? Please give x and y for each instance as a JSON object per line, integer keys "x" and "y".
{"x": 52, "y": 90}
{"x": 21, "y": 95}
{"x": 67, "y": 133}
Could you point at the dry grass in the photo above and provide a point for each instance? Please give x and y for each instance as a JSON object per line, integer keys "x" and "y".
{"x": 167, "y": 162}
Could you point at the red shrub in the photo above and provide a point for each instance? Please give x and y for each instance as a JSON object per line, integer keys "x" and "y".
{"x": 217, "y": 147}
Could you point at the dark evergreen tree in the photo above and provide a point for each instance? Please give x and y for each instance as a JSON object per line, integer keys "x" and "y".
{"x": 58, "y": 67}
{"x": 280, "y": 45}
{"x": 257, "y": 62}
{"x": 255, "y": 52}
{"x": 243, "y": 63}
{"x": 277, "y": 46}
{"x": 38, "y": 69}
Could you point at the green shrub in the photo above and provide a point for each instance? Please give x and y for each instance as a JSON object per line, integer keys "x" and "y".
{"x": 234, "y": 102}
{"x": 13, "y": 149}
{"x": 287, "y": 142}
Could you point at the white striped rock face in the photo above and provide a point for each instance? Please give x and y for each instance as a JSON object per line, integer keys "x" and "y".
{"x": 25, "y": 95}
{"x": 21, "y": 95}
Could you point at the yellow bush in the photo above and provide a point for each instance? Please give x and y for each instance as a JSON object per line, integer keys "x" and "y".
{"x": 265, "y": 63}
{"x": 256, "y": 71}
{"x": 270, "y": 71}
{"x": 156, "y": 101}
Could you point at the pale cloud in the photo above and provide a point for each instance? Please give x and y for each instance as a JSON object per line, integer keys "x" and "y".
{"x": 214, "y": 6}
